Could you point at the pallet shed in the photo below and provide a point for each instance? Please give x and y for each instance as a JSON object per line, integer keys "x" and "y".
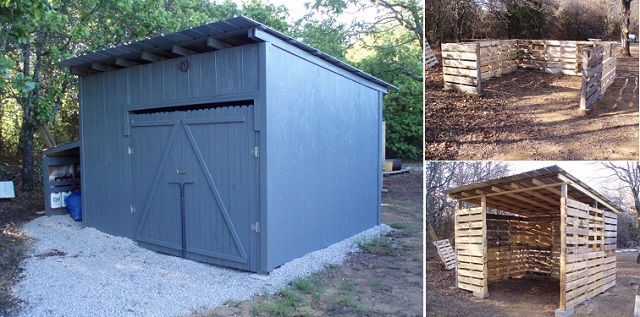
{"x": 544, "y": 222}
{"x": 229, "y": 143}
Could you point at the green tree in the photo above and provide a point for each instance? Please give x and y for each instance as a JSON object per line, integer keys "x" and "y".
{"x": 391, "y": 48}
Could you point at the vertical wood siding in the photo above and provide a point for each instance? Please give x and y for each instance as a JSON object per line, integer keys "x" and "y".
{"x": 106, "y": 97}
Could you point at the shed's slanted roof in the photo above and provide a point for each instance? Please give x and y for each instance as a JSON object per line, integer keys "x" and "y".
{"x": 72, "y": 148}
{"x": 209, "y": 37}
{"x": 532, "y": 193}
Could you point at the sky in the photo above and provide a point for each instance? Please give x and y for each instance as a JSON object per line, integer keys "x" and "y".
{"x": 297, "y": 9}
{"x": 589, "y": 172}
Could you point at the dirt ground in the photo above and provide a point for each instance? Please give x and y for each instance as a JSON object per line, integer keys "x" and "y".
{"x": 529, "y": 296}
{"x": 384, "y": 280}
{"x": 13, "y": 242}
{"x": 530, "y": 115}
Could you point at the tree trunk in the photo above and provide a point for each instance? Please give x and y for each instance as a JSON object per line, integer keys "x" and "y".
{"x": 26, "y": 144}
{"x": 28, "y": 125}
{"x": 626, "y": 12}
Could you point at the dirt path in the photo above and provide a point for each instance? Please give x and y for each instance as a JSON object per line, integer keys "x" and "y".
{"x": 531, "y": 296}
{"x": 533, "y": 116}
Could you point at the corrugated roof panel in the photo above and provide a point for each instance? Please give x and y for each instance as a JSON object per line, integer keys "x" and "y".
{"x": 202, "y": 32}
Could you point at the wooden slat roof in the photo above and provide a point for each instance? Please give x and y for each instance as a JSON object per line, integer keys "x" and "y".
{"x": 532, "y": 193}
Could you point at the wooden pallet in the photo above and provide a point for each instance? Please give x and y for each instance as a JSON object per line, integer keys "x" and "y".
{"x": 446, "y": 253}
{"x": 430, "y": 58}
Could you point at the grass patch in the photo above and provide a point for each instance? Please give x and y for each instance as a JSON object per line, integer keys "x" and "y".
{"x": 380, "y": 246}
{"x": 299, "y": 299}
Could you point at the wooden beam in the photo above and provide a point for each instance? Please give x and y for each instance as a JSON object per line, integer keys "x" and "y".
{"x": 525, "y": 199}
{"x": 79, "y": 71}
{"x": 99, "y": 67}
{"x": 588, "y": 193}
{"x": 510, "y": 191}
{"x": 179, "y": 50}
{"x": 150, "y": 57}
{"x": 217, "y": 44}
{"x": 124, "y": 62}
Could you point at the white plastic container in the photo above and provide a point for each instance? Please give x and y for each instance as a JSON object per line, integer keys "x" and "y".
{"x": 56, "y": 200}
{"x": 64, "y": 196}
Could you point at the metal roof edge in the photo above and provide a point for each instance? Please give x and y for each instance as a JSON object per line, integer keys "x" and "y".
{"x": 227, "y": 26}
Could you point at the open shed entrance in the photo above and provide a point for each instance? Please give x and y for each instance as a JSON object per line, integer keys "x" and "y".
{"x": 544, "y": 221}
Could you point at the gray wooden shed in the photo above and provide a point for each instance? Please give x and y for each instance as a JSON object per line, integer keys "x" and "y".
{"x": 229, "y": 143}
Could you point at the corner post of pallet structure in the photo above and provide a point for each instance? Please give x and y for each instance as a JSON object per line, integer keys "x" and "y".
{"x": 584, "y": 108}
{"x": 479, "y": 70}
{"x": 485, "y": 257}
{"x": 444, "y": 47}
{"x": 455, "y": 236}
{"x": 562, "y": 311}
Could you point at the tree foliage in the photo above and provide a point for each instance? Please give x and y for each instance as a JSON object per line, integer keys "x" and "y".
{"x": 388, "y": 47}
{"x": 35, "y": 34}
{"x": 440, "y": 176}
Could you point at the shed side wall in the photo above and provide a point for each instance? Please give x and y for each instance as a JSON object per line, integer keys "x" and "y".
{"x": 471, "y": 249}
{"x": 230, "y": 74}
{"x": 322, "y": 153}
{"x": 590, "y": 270}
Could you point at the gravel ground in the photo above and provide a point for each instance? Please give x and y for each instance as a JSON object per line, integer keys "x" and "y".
{"x": 75, "y": 271}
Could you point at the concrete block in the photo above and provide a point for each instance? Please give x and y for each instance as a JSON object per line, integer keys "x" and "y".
{"x": 481, "y": 295}
{"x": 564, "y": 313}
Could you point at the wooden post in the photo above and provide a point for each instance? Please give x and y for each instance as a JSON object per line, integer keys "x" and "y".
{"x": 455, "y": 235}
{"x": 584, "y": 89}
{"x": 432, "y": 234}
{"x": 563, "y": 246}
{"x": 636, "y": 310}
{"x": 479, "y": 69}
{"x": 443, "y": 49}
{"x": 485, "y": 274}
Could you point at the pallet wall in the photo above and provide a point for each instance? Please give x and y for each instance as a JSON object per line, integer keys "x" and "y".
{"x": 461, "y": 67}
{"x": 588, "y": 269}
{"x": 598, "y": 72}
{"x": 471, "y": 249}
{"x": 466, "y": 65}
{"x": 555, "y": 57}
{"x": 498, "y": 57}
{"x": 517, "y": 246}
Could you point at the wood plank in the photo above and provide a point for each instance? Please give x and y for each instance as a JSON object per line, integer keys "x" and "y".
{"x": 459, "y": 56}
{"x": 460, "y": 80}
{"x": 458, "y": 47}
{"x": 576, "y": 275}
{"x": 459, "y": 64}
{"x": 470, "y": 266}
{"x": 470, "y": 259}
{"x": 576, "y": 230}
{"x": 470, "y": 287}
{"x": 469, "y": 211}
{"x": 460, "y": 71}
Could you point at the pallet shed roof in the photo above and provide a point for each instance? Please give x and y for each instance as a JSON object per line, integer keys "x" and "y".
{"x": 209, "y": 37}
{"x": 533, "y": 193}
